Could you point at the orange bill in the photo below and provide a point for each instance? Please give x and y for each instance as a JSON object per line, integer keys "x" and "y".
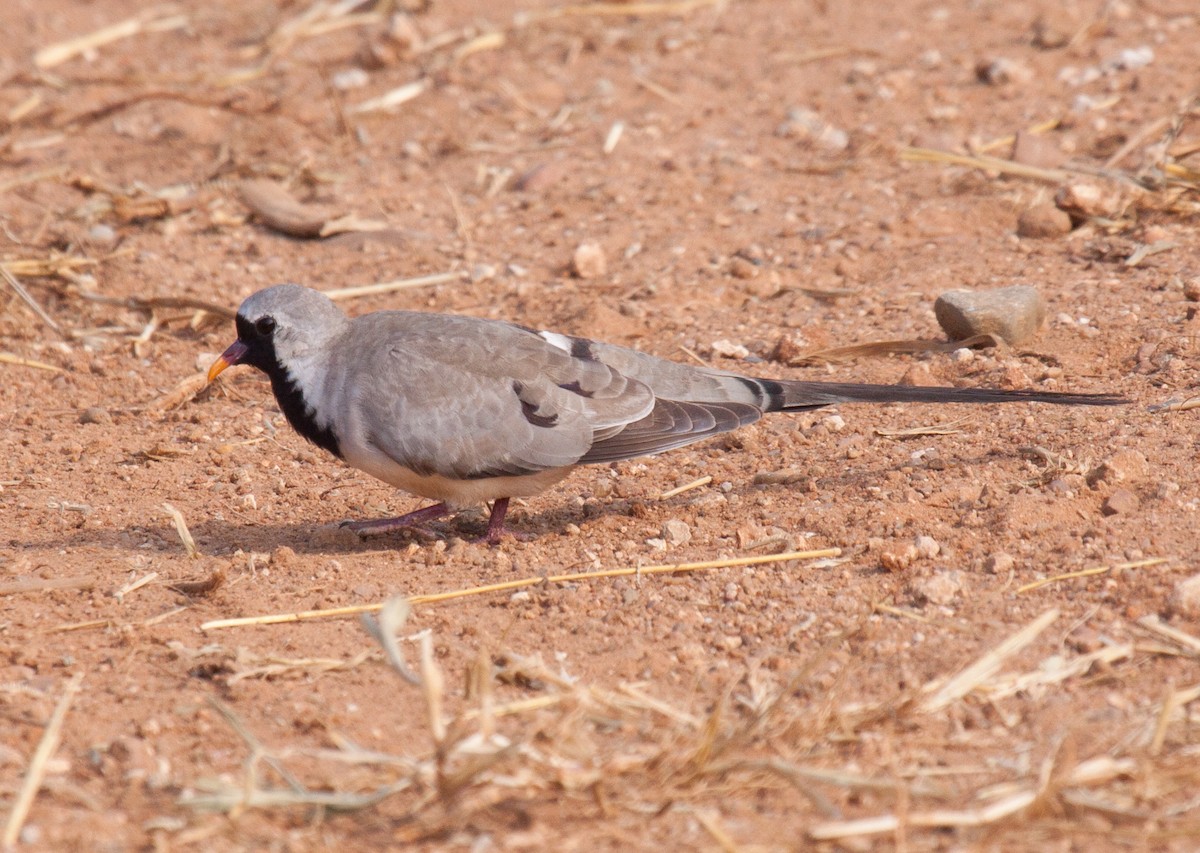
{"x": 233, "y": 354}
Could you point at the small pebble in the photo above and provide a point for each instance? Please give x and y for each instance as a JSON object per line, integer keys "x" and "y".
{"x": 1001, "y": 71}
{"x": 898, "y": 559}
{"x": 1120, "y": 502}
{"x": 1040, "y": 221}
{"x": 1083, "y": 200}
{"x": 806, "y": 125}
{"x": 729, "y": 349}
{"x": 676, "y": 532}
{"x": 927, "y": 547}
{"x": 351, "y": 78}
{"x": 739, "y": 267}
{"x": 95, "y": 415}
{"x": 588, "y": 261}
{"x": 731, "y": 591}
{"x": 941, "y": 588}
{"x": 999, "y": 563}
{"x": 1185, "y": 598}
{"x": 1122, "y": 467}
{"x": 102, "y": 235}
{"x": 1012, "y": 313}
{"x": 1191, "y": 289}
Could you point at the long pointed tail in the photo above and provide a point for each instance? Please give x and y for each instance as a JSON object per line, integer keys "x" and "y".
{"x": 785, "y": 396}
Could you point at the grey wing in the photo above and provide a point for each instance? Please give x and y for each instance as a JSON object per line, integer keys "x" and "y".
{"x": 691, "y": 403}
{"x": 467, "y": 398}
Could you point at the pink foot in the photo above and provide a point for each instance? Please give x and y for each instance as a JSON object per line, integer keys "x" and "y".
{"x": 409, "y": 521}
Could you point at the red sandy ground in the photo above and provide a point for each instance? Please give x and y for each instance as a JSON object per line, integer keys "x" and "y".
{"x": 718, "y": 222}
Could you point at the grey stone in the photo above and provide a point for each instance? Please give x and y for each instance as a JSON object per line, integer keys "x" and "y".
{"x": 1012, "y": 313}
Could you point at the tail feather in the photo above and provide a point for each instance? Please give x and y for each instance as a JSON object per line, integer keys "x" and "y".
{"x": 791, "y": 396}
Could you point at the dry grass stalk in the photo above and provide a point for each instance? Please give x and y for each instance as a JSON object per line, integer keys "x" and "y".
{"x": 1145, "y": 250}
{"x": 986, "y": 666}
{"x": 1155, "y": 625}
{"x": 28, "y": 299}
{"x": 201, "y": 588}
{"x": 17, "y": 360}
{"x": 277, "y": 208}
{"x": 36, "y": 771}
{"x": 392, "y": 616}
{"x": 686, "y": 487}
{"x": 394, "y": 98}
{"x": 184, "y": 392}
{"x": 275, "y": 667}
{"x": 134, "y": 585}
{"x": 392, "y": 286}
{"x": 36, "y": 176}
{"x": 1175, "y": 700}
{"x": 680, "y": 7}
{"x": 156, "y": 19}
{"x": 948, "y": 428}
{"x": 70, "y": 627}
{"x": 181, "y": 528}
{"x": 709, "y": 820}
{"x": 41, "y": 584}
{"x": 1176, "y": 405}
{"x": 1054, "y": 671}
{"x": 942, "y": 819}
{"x": 1087, "y": 573}
{"x": 986, "y": 163}
{"x": 838, "y": 355}
{"x": 662, "y": 92}
{"x": 613, "y": 137}
{"x": 493, "y": 40}
{"x": 318, "y": 19}
{"x": 304, "y": 615}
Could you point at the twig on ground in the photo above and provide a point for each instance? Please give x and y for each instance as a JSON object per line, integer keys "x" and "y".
{"x": 36, "y": 771}
{"x": 354, "y": 610}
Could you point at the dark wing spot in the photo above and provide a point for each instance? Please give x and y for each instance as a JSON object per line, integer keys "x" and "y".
{"x": 768, "y": 392}
{"x": 575, "y": 388}
{"x": 581, "y": 348}
{"x": 529, "y": 410}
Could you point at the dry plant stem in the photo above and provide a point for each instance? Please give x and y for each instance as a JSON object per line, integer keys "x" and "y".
{"x": 1084, "y": 573}
{"x": 29, "y": 300}
{"x": 149, "y": 303}
{"x": 185, "y": 535}
{"x": 1175, "y": 700}
{"x": 1182, "y": 638}
{"x": 392, "y": 616}
{"x": 40, "y": 584}
{"x": 991, "y": 164}
{"x": 686, "y": 487}
{"x": 943, "y": 818}
{"x": 37, "y": 765}
{"x": 430, "y": 598}
{"x": 391, "y": 286}
{"x": 155, "y": 19}
{"x": 257, "y": 750}
{"x": 838, "y": 355}
{"x": 677, "y": 8}
{"x": 18, "y": 361}
{"x": 987, "y": 665}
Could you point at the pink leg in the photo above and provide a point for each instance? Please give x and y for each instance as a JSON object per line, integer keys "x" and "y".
{"x": 495, "y": 531}
{"x": 416, "y": 518}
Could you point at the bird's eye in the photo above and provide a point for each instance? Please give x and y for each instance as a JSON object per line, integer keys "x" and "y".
{"x": 264, "y": 325}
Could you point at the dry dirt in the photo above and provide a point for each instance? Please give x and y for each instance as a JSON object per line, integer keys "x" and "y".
{"x": 742, "y": 167}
